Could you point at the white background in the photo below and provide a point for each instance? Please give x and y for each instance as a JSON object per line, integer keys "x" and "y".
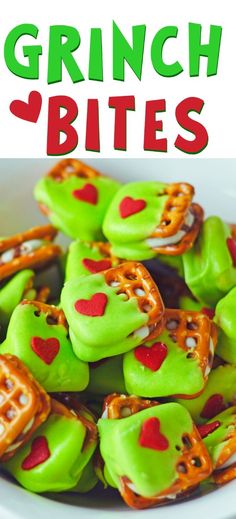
{"x": 24, "y": 139}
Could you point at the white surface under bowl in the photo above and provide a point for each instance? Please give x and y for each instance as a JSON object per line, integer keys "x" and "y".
{"x": 215, "y": 183}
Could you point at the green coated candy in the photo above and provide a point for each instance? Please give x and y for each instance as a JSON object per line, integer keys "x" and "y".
{"x": 219, "y": 392}
{"x": 54, "y": 459}
{"x": 84, "y": 259}
{"x": 76, "y": 205}
{"x": 225, "y": 319}
{"x": 208, "y": 267}
{"x": 12, "y": 293}
{"x": 88, "y": 479}
{"x": 107, "y": 377}
{"x": 162, "y": 368}
{"x": 187, "y": 303}
{"x": 217, "y": 440}
{"x": 45, "y": 349}
{"x": 150, "y": 469}
{"x": 107, "y": 324}
{"x": 129, "y": 233}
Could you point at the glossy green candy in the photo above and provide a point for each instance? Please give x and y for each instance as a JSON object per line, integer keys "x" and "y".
{"x": 49, "y": 355}
{"x": 56, "y": 458}
{"x": 150, "y": 470}
{"x": 161, "y": 368}
{"x": 208, "y": 267}
{"x": 95, "y": 337}
{"x": 187, "y": 303}
{"x": 217, "y": 440}
{"x": 107, "y": 377}
{"x": 225, "y": 318}
{"x": 76, "y": 217}
{"x": 128, "y": 235}
{"x": 83, "y": 259}
{"x": 219, "y": 392}
{"x": 88, "y": 479}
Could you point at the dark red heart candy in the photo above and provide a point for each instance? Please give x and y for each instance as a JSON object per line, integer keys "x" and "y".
{"x": 46, "y": 349}
{"x": 152, "y": 357}
{"x": 39, "y": 453}
{"x": 210, "y": 312}
{"x": 213, "y": 406}
{"x": 151, "y": 437}
{"x": 94, "y": 307}
{"x": 129, "y": 206}
{"x": 231, "y": 244}
{"x": 87, "y": 193}
{"x": 96, "y": 266}
{"x": 208, "y": 428}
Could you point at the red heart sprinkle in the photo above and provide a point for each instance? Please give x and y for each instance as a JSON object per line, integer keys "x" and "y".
{"x": 151, "y": 436}
{"x": 94, "y": 307}
{"x": 39, "y": 453}
{"x": 129, "y": 206}
{"x": 208, "y": 428}
{"x": 213, "y": 406}
{"x": 96, "y": 266}
{"x": 88, "y": 193}
{"x": 231, "y": 244}
{"x": 210, "y": 312}
{"x": 152, "y": 357}
{"x": 46, "y": 349}
{"x": 27, "y": 111}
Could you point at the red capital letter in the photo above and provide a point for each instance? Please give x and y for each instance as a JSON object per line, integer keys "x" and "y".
{"x": 151, "y": 143}
{"x": 191, "y": 104}
{"x": 92, "y": 141}
{"x": 121, "y": 105}
{"x": 58, "y": 125}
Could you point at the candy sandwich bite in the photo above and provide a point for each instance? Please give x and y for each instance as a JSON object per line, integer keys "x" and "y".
{"x": 112, "y": 312}
{"x": 38, "y": 335}
{"x": 177, "y": 362}
{"x": 75, "y": 198}
{"x": 84, "y": 259}
{"x": 24, "y": 405}
{"x": 57, "y": 454}
{"x": 225, "y": 318}
{"x": 149, "y": 218}
{"x": 153, "y": 455}
{"x": 210, "y": 266}
{"x": 29, "y": 249}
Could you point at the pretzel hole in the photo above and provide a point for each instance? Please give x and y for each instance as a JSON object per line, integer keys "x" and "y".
{"x": 165, "y": 223}
{"x": 147, "y": 308}
{"x": 186, "y": 441}
{"x": 190, "y": 355}
{"x": 196, "y": 462}
{"x": 9, "y": 384}
{"x": 2, "y": 429}
{"x": 131, "y": 276}
{"x": 51, "y": 320}
{"x": 69, "y": 168}
{"x": 191, "y": 342}
{"x": 173, "y": 337}
{"x": 125, "y": 411}
{"x": 23, "y": 399}
{"x": 11, "y": 414}
{"x": 178, "y": 448}
{"x": 37, "y": 313}
{"x": 172, "y": 324}
{"x": 139, "y": 292}
{"x": 114, "y": 283}
{"x": 192, "y": 325}
{"x": 182, "y": 468}
{"x": 125, "y": 296}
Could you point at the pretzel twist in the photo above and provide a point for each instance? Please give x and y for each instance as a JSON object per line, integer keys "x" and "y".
{"x": 178, "y": 202}
{"x": 120, "y": 406}
{"x": 57, "y": 315}
{"x": 67, "y": 167}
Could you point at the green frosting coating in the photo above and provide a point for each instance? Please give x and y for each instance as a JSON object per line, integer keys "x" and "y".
{"x": 77, "y": 252}
{"x": 208, "y": 266}
{"x": 221, "y": 381}
{"x": 76, "y": 218}
{"x": 225, "y": 319}
{"x": 95, "y": 338}
{"x": 12, "y": 294}
{"x": 151, "y": 471}
{"x": 187, "y": 303}
{"x": 175, "y": 262}
{"x": 107, "y": 377}
{"x": 64, "y": 467}
{"x": 217, "y": 440}
{"x": 88, "y": 479}
{"x": 178, "y": 374}
{"x": 66, "y": 372}
{"x": 128, "y": 235}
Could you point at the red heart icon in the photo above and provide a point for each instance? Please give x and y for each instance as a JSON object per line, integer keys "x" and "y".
{"x": 96, "y": 266}
{"x": 94, "y": 307}
{"x": 151, "y": 437}
{"x": 46, "y": 349}
{"x": 129, "y": 206}
{"x": 208, "y": 428}
{"x": 231, "y": 244}
{"x": 27, "y": 111}
{"x": 88, "y": 193}
{"x": 39, "y": 453}
{"x": 152, "y": 357}
{"x": 213, "y": 406}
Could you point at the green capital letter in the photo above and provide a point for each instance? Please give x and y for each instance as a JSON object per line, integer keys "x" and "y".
{"x": 164, "y": 69}
{"x": 210, "y": 50}
{"x": 95, "y": 55}
{"x": 32, "y": 52}
{"x": 122, "y": 51}
{"x": 61, "y": 53}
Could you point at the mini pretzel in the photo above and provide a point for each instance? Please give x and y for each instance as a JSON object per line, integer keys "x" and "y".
{"x": 42, "y": 293}
{"x": 67, "y": 167}
{"x": 120, "y": 406}
{"x": 221, "y": 476}
{"x": 171, "y": 223}
{"x": 46, "y": 253}
{"x": 193, "y": 466}
{"x": 133, "y": 280}
{"x": 193, "y": 331}
{"x": 56, "y": 315}
{"x": 24, "y": 405}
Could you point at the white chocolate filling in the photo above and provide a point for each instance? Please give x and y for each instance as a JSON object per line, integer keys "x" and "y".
{"x": 141, "y": 332}
{"x": 25, "y": 248}
{"x": 230, "y": 461}
{"x": 176, "y": 238}
{"x": 212, "y": 350}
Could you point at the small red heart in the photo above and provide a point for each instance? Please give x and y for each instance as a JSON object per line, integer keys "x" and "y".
{"x": 213, "y": 406}
{"x": 88, "y": 193}
{"x": 96, "y": 266}
{"x": 46, "y": 349}
{"x": 231, "y": 244}
{"x": 151, "y": 437}
{"x": 152, "y": 357}
{"x": 27, "y": 111}
{"x": 39, "y": 453}
{"x": 94, "y": 307}
{"x": 210, "y": 312}
{"x": 208, "y": 428}
{"x": 129, "y": 206}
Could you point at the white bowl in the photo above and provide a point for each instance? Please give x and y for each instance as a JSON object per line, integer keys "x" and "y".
{"x": 215, "y": 182}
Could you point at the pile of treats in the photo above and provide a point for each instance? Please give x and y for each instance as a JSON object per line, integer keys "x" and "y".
{"x": 129, "y": 377}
